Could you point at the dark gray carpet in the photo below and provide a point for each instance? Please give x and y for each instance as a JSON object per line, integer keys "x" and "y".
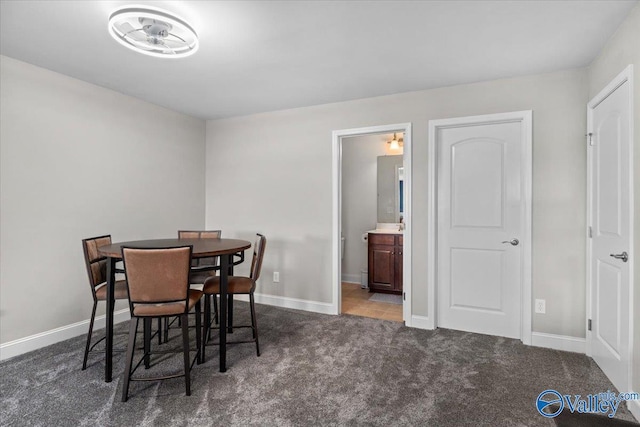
{"x": 314, "y": 370}
{"x": 387, "y": 298}
{"x": 568, "y": 419}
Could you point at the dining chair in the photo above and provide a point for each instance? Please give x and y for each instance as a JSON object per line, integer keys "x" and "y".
{"x": 238, "y": 285}
{"x": 158, "y": 285}
{"x": 203, "y": 268}
{"x": 97, "y": 271}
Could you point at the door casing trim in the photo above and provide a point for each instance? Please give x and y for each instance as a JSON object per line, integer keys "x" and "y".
{"x": 337, "y": 136}
{"x": 625, "y": 76}
{"x": 524, "y": 117}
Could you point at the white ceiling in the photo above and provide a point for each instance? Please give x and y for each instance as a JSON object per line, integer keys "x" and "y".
{"x": 264, "y": 56}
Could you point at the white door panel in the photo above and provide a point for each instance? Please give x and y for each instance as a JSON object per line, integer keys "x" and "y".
{"x": 608, "y": 297}
{"x": 480, "y": 206}
{"x": 472, "y": 266}
{"x": 609, "y": 197}
{"x": 469, "y": 183}
{"x": 610, "y": 213}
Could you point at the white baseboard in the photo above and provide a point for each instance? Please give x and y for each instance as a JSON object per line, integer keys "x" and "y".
{"x": 43, "y": 339}
{"x": 352, "y": 278}
{"x": 634, "y": 408}
{"x": 421, "y": 322}
{"x": 559, "y": 342}
{"x": 295, "y": 303}
{"x": 538, "y": 339}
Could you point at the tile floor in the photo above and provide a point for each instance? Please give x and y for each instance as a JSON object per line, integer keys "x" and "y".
{"x": 355, "y": 301}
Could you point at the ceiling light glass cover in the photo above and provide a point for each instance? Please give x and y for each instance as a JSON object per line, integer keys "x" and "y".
{"x": 395, "y": 143}
{"x": 153, "y": 32}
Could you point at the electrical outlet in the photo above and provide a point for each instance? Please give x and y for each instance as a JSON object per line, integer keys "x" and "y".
{"x": 276, "y": 277}
{"x": 541, "y": 306}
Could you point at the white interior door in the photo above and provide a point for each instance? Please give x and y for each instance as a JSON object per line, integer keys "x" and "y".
{"x": 481, "y": 226}
{"x": 610, "y": 194}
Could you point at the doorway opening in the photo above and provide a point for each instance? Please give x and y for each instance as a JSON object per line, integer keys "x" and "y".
{"x": 372, "y": 197}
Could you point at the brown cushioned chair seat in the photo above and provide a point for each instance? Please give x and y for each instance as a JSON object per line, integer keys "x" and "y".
{"x": 236, "y": 285}
{"x": 120, "y": 291}
{"x": 168, "y": 309}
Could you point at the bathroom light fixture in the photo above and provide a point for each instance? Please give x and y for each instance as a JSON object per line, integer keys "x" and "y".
{"x": 395, "y": 143}
{"x": 153, "y": 32}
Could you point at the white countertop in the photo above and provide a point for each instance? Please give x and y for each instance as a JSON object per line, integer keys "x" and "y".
{"x": 387, "y": 228}
{"x": 385, "y": 231}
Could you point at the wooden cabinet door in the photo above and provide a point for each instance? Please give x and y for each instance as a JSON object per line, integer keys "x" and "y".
{"x": 398, "y": 268}
{"x": 382, "y": 262}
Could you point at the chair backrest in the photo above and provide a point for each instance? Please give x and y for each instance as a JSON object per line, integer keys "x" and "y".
{"x": 258, "y": 255}
{"x": 156, "y": 276}
{"x": 201, "y": 234}
{"x": 96, "y": 264}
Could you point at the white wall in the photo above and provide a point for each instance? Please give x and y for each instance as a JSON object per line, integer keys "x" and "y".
{"x": 621, "y": 50}
{"x": 272, "y": 172}
{"x": 359, "y": 198}
{"x": 78, "y": 161}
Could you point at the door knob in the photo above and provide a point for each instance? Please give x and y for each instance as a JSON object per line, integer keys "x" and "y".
{"x": 623, "y": 256}
{"x": 514, "y": 242}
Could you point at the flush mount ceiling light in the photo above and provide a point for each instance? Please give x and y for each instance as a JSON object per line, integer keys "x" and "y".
{"x": 153, "y": 32}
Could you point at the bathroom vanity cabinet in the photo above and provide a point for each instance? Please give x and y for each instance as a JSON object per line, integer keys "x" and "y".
{"x": 385, "y": 262}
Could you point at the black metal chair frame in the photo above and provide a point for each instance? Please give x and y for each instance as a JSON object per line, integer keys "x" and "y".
{"x": 88, "y": 347}
{"x": 207, "y": 300}
{"x": 133, "y": 327}
{"x": 207, "y": 306}
{"x": 208, "y": 322}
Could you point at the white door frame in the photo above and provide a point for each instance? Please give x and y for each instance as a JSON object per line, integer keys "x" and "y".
{"x": 337, "y": 211}
{"x": 625, "y": 76}
{"x": 525, "y": 117}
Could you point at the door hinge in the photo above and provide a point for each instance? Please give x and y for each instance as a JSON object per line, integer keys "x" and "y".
{"x": 404, "y": 296}
{"x": 590, "y": 138}
{"x": 590, "y": 232}
{"x": 589, "y": 325}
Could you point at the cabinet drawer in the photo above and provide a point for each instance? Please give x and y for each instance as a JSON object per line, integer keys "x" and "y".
{"x": 400, "y": 240}
{"x": 381, "y": 239}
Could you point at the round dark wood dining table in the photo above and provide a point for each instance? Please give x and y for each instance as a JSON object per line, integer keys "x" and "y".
{"x": 202, "y": 248}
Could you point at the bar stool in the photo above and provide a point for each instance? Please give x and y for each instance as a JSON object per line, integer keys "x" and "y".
{"x": 238, "y": 285}
{"x": 97, "y": 272}
{"x": 158, "y": 285}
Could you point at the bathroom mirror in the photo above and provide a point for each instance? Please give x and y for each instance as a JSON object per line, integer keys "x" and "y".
{"x": 390, "y": 188}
